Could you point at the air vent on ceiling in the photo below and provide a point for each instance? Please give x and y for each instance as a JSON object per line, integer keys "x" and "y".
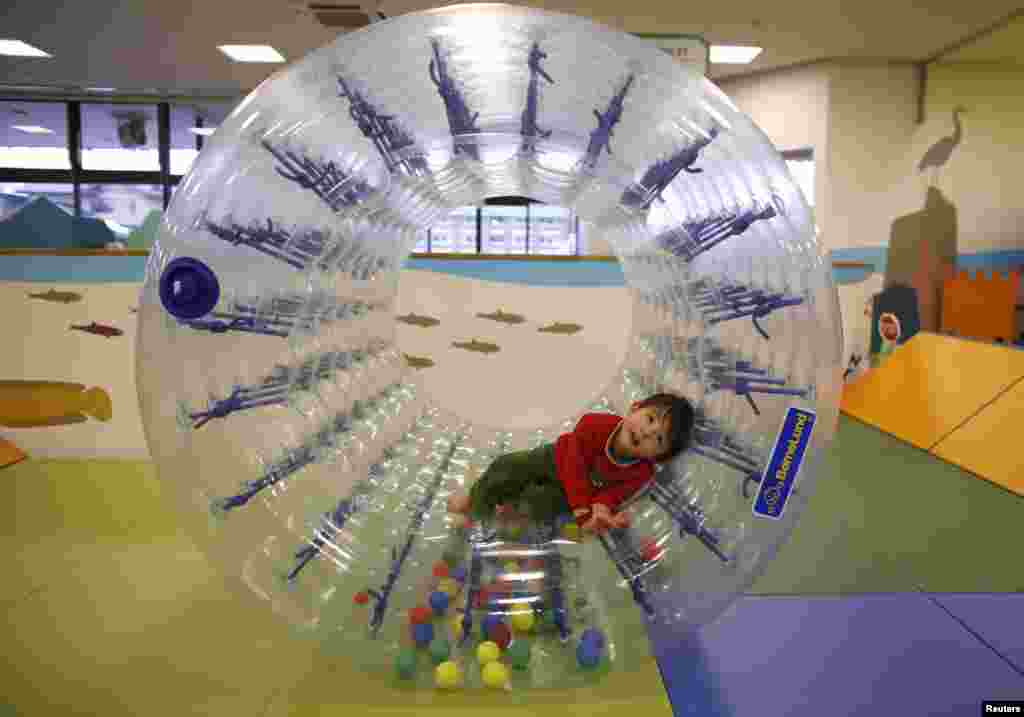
{"x": 347, "y": 17}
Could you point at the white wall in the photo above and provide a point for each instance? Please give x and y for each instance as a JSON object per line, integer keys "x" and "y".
{"x": 792, "y": 108}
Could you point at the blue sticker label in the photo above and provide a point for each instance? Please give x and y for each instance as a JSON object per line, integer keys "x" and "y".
{"x": 780, "y": 475}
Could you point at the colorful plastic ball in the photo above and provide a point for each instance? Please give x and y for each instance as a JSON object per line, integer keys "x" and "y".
{"x": 448, "y": 587}
{"x": 456, "y": 625}
{"x": 440, "y": 569}
{"x": 423, "y": 633}
{"x": 511, "y": 566}
{"x": 649, "y": 550}
{"x": 405, "y": 664}
{"x": 522, "y": 621}
{"x": 571, "y": 531}
{"x": 439, "y": 602}
{"x": 459, "y": 574}
{"x": 487, "y": 652}
{"x": 481, "y": 598}
{"x": 500, "y": 634}
{"x": 419, "y": 615}
{"x": 440, "y": 650}
{"x": 495, "y": 675}
{"x": 588, "y": 655}
{"x": 519, "y": 654}
{"x": 513, "y": 531}
{"x": 361, "y": 598}
{"x": 593, "y": 636}
{"x": 447, "y": 675}
{"x": 488, "y": 624}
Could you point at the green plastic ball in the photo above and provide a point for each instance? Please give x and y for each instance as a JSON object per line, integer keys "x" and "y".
{"x": 405, "y": 664}
{"x": 519, "y": 654}
{"x": 440, "y": 650}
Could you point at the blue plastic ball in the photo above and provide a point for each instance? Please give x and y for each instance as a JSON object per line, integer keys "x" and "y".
{"x": 423, "y": 633}
{"x": 459, "y": 573}
{"x": 594, "y": 637}
{"x": 439, "y": 602}
{"x": 489, "y": 623}
{"x": 588, "y": 655}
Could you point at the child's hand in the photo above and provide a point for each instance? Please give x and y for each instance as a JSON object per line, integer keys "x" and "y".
{"x": 602, "y": 518}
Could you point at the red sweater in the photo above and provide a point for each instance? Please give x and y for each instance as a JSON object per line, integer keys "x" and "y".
{"x": 584, "y": 466}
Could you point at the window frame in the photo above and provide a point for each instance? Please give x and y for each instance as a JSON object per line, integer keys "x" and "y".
{"x": 78, "y": 177}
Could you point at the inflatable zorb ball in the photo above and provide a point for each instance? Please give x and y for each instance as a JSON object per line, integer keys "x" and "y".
{"x": 305, "y": 458}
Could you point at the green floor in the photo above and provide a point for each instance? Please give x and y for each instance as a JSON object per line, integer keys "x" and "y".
{"x": 110, "y": 609}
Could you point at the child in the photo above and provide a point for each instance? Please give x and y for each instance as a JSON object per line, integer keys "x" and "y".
{"x": 588, "y": 472}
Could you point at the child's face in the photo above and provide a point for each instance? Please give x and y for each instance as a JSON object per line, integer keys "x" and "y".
{"x": 643, "y": 433}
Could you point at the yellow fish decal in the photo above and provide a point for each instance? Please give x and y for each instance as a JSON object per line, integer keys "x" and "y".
{"x": 62, "y": 297}
{"x": 417, "y": 361}
{"x": 560, "y": 327}
{"x": 504, "y": 318}
{"x": 479, "y": 346}
{"x": 35, "y": 404}
{"x": 414, "y": 320}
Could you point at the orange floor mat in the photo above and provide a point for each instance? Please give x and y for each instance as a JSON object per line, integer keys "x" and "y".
{"x": 931, "y": 385}
{"x": 988, "y": 445}
{"x": 10, "y": 454}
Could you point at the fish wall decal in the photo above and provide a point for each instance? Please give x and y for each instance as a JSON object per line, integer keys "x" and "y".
{"x": 503, "y": 317}
{"x": 37, "y": 404}
{"x": 418, "y": 361}
{"x": 62, "y": 297}
{"x": 422, "y": 321}
{"x": 98, "y": 329}
{"x": 561, "y": 327}
{"x": 482, "y": 347}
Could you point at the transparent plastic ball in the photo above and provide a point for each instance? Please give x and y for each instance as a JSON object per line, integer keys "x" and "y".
{"x": 302, "y": 451}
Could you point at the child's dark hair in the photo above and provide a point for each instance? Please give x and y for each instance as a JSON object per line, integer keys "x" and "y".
{"x": 681, "y": 418}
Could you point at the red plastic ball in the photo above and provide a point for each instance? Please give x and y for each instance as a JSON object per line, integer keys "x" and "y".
{"x": 419, "y": 615}
{"x": 650, "y": 551}
{"x": 500, "y": 634}
{"x": 361, "y": 598}
{"x": 440, "y": 569}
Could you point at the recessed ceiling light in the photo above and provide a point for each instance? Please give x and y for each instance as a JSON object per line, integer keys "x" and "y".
{"x": 31, "y": 129}
{"x": 17, "y": 48}
{"x": 203, "y": 131}
{"x": 251, "y": 53}
{"x": 734, "y": 54}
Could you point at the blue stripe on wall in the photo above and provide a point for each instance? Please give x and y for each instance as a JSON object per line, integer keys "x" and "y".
{"x": 107, "y": 269}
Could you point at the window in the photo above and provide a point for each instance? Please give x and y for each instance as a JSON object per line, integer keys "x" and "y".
{"x": 17, "y": 196}
{"x": 801, "y": 165}
{"x": 503, "y": 230}
{"x": 190, "y": 125}
{"x": 122, "y": 207}
{"x": 456, "y": 233}
{"x": 34, "y": 135}
{"x": 552, "y": 230}
{"x": 120, "y": 137}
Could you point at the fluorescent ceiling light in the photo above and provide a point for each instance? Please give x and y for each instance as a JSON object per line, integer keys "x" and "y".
{"x": 32, "y": 129}
{"x": 734, "y": 54}
{"x": 203, "y": 131}
{"x": 101, "y": 89}
{"x": 251, "y": 53}
{"x": 17, "y": 48}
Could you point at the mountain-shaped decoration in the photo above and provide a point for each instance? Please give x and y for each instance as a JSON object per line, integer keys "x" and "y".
{"x": 143, "y": 236}
{"x": 40, "y": 224}
{"x": 92, "y": 234}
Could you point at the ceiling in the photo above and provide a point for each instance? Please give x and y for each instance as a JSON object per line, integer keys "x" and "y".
{"x": 161, "y": 47}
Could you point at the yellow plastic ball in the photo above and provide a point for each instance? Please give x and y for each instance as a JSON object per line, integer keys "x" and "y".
{"x": 511, "y": 566}
{"x": 456, "y": 625}
{"x": 495, "y": 675}
{"x": 488, "y": 652}
{"x": 447, "y": 675}
{"x": 522, "y": 621}
{"x": 571, "y": 531}
{"x": 448, "y": 586}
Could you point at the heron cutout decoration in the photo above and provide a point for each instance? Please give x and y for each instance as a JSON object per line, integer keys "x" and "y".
{"x": 939, "y": 153}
